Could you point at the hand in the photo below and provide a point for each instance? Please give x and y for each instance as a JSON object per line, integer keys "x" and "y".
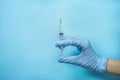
{"x": 87, "y": 57}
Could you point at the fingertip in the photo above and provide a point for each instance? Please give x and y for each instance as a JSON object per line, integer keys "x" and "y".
{"x": 56, "y": 45}
{"x": 59, "y": 60}
{"x": 63, "y": 60}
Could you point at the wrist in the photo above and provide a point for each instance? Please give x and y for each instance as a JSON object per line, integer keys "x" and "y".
{"x": 102, "y": 65}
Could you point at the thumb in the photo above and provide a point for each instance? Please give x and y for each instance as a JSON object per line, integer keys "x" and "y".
{"x": 70, "y": 59}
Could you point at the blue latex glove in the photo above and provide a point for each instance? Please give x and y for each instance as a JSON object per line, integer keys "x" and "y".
{"x": 87, "y": 57}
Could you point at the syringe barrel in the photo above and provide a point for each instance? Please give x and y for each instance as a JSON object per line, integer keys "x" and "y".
{"x": 61, "y": 38}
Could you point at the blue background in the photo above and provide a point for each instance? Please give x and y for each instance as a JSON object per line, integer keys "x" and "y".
{"x": 29, "y": 30}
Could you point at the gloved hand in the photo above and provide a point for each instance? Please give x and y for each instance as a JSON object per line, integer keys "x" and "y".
{"x": 87, "y": 57}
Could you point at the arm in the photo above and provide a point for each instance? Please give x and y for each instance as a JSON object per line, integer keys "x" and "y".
{"x": 113, "y": 67}
{"x": 88, "y": 57}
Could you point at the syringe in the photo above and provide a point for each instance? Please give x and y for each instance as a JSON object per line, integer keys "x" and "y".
{"x": 61, "y": 34}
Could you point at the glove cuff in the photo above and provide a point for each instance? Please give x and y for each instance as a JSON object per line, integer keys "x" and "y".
{"x": 102, "y": 65}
